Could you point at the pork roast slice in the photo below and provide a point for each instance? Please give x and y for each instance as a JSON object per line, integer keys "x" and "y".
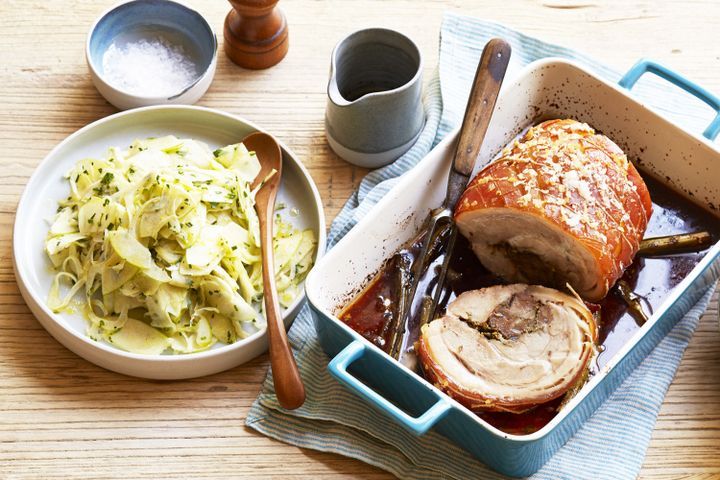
{"x": 561, "y": 205}
{"x": 508, "y": 347}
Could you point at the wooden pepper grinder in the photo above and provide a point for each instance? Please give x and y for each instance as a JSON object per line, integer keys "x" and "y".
{"x": 256, "y": 33}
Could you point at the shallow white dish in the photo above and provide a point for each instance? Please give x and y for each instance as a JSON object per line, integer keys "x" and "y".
{"x": 38, "y": 203}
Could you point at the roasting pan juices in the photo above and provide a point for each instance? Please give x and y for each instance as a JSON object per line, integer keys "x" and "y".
{"x": 678, "y": 168}
{"x": 651, "y": 278}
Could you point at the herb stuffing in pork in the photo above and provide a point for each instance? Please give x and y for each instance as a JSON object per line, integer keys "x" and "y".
{"x": 509, "y": 347}
{"x": 563, "y": 205}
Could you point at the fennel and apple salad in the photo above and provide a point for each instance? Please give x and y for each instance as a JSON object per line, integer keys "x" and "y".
{"x": 162, "y": 241}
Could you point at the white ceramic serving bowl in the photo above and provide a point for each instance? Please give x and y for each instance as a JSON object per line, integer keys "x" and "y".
{"x": 38, "y": 204}
{"x": 141, "y": 19}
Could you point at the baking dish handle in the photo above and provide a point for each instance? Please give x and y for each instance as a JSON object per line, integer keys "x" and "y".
{"x": 338, "y": 368}
{"x": 644, "y": 66}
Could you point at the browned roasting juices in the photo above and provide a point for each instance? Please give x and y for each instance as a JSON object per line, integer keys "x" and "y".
{"x": 651, "y": 278}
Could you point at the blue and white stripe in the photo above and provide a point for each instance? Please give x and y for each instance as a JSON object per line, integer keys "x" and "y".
{"x": 612, "y": 443}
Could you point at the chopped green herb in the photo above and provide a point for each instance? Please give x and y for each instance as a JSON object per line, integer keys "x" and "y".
{"x": 107, "y": 178}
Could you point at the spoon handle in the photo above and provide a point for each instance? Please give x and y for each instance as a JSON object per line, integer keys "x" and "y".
{"x": 286, "y": 377}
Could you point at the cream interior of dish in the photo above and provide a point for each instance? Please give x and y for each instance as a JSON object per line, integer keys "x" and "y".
{"x": 537, "y": 362}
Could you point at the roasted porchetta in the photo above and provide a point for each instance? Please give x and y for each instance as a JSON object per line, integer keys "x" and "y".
{"x": 509, "y": 347}
{"x": 563, "y": 205}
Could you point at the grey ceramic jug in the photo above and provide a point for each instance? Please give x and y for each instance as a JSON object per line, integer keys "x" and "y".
{"x": 374, "y": 111}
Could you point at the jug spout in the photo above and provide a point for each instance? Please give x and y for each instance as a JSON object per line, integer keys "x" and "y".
{"x": 346, "y": 92}
{"x": 334, "y": 94}
{"x": 342, "y": 93}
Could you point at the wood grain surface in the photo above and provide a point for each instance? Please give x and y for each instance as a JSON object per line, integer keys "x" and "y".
{"x": 62, "y": 417}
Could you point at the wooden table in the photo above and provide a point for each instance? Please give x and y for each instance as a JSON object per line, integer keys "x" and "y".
{"x": 62, "y": 417}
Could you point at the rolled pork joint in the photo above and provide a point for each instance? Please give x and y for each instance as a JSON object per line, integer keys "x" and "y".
{"x": 509, "y": 347}
{"x": 563, "y": 205}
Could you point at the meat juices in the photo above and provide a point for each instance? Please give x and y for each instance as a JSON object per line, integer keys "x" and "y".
{"x": 653, "y": 279}
{"x": 561, "y": 205}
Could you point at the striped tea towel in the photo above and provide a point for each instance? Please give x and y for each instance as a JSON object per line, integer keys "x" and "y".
{"x": 613, "y": 441}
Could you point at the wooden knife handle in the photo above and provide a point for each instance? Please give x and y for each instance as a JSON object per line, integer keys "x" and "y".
{"x": 481, "y": 103}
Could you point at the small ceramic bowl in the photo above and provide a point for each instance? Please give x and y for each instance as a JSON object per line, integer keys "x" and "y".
{"x": 175, "y": 27}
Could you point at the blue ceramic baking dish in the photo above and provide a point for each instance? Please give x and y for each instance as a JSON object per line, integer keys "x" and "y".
{"x": 549, "y": 88}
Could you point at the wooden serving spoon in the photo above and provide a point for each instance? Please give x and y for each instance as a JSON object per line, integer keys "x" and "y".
{"x": 286, "y": 377}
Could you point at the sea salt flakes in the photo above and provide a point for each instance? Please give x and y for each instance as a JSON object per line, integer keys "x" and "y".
{"x": 153, "y": 67}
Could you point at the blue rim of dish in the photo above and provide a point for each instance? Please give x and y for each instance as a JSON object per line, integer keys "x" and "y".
{"x": 188, "y": 9}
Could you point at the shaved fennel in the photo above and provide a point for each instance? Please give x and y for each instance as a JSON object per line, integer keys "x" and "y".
{"x": 162, "y": 241}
